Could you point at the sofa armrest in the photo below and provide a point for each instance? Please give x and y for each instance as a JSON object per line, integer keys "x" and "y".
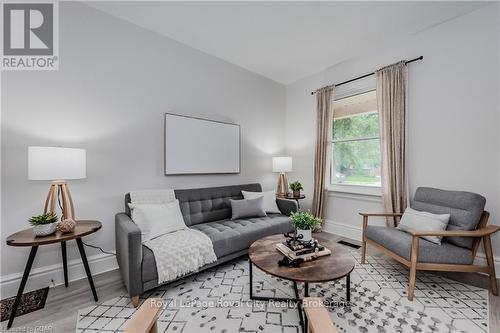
{"x": 129, "y": 252}
{"x": 287, "y": 206}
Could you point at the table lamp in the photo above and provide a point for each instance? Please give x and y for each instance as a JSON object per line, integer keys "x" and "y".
{"x": 282, "y": 164}
{"x": 57, "y": 164}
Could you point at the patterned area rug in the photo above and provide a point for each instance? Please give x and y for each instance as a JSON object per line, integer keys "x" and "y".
{"x": 217, "y": 300}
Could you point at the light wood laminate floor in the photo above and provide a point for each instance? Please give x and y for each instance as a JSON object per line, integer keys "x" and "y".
{"x": 62, "y": 305}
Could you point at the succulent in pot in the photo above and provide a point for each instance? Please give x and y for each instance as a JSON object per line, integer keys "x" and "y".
{"x": 44, "y": 224}
{"x": 296, "y": 187}
{"x": 304, "y": 223}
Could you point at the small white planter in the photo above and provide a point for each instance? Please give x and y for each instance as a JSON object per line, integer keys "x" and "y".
{"x": 306, "y": 234}
{"x": 44, "y": 229}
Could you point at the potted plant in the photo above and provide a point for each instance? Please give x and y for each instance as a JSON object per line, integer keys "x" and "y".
{"x": 296, "y": 187}
{"x": 304, "y": 223}
{"x": 44, "y": 224}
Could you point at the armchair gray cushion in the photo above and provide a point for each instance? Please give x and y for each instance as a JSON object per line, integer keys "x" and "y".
{"x": 465, "y": 209}
{"x": 399, "y": 242}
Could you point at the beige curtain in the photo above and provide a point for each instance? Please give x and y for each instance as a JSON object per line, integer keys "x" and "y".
{"x": 391, "y": 103}
{"x": 324, "y": 101}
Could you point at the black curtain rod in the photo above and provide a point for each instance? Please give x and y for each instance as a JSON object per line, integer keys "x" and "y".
{"x": 370, "y": 74}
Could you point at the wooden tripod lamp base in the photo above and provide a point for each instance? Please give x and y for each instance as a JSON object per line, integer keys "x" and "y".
{"x": 282, "y": 164}
{"x": 68, "y": 209}
{"x": 282, "y": 188}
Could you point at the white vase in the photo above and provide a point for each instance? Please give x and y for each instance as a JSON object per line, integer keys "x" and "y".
{"x": 45, "y": 229}
{"x": 306, "y": 234}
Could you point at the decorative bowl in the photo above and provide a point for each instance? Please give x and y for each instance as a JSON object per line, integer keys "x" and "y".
{"x": 44, "y": 229}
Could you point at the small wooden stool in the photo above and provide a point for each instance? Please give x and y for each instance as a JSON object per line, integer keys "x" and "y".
{"x": 319, "y": 319}
{"x": 144, "y": 319}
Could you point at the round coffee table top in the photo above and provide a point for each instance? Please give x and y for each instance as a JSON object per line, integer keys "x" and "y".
{"x": 338, "y": 264}
{"x": 27, "y": 238}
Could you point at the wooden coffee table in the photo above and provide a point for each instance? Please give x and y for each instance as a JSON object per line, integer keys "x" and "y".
{"x": 339, "y": 264}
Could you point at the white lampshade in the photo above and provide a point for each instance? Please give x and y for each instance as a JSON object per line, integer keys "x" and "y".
{"x": 282, "y": 164}
{"x": 54, "y": 163}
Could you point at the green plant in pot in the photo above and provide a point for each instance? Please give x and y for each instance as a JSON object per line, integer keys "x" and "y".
{"x": 304, "y": 223}
{"x": 296, "y": 187}
{"x": 44, "y": 224}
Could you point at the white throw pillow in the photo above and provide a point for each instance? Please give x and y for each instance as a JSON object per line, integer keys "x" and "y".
{"x": 418, "y": 220}
{"x": 157, "y": 219}
{"x": 270, "y": 205}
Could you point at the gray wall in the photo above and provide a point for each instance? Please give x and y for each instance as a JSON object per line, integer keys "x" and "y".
{"x": 453, "y": 115}
{"x": 114, "y": 84}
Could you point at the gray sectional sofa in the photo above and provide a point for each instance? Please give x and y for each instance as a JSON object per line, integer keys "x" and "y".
{"x": 207, "y": 210}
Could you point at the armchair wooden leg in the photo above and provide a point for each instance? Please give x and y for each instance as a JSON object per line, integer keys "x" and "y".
{"x": 363, "y": 242}
{"x": 488, "y": 251}
{"x": 135, "y": 301}
{"x": 413, "y": 268}
{"x": 363, "y": 251}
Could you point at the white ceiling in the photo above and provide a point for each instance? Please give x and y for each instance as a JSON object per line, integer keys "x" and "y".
{"x": 286, "y": 41}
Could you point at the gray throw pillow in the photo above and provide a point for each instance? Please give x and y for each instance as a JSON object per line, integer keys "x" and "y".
{"x": 247, "y": 208}
{"x": 424, "y": 221}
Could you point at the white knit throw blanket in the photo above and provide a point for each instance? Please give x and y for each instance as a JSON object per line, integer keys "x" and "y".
{"x": 180, "y": 252}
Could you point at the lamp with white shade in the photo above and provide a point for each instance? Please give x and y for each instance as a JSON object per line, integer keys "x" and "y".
{"x": 57, "y": 164}
{"x": 282, "y": 164}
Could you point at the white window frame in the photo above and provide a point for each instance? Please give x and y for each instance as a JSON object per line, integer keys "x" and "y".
{"x": 348, "y": 90}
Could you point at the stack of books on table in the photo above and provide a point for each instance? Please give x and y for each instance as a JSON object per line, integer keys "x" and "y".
{"x": 307, "y": 252}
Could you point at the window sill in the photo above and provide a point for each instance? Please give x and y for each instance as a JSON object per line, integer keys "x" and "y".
{"x": 356, "y": 189}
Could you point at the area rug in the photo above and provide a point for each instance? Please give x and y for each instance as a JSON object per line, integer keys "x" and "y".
{"x": 217, "y": 300}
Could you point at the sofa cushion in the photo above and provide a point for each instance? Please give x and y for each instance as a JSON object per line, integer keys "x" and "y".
{"x": 399, "y": 242}
{"x": 269, "y": 197}
{"x": 230, "y": 236}
{"x": 210, "y": 204}
{"x": 465, "y": 209}
{"x": 417, "y": 220}
{"x": 246, "y": 208}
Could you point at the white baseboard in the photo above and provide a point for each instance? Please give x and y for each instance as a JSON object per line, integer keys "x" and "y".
{"x": 354, "y": 232}
{"x": 52, "y": 275}
{"x": 342, "y": 229}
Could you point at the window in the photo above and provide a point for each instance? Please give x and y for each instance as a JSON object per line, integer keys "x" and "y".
{"x": 356, "y": 141}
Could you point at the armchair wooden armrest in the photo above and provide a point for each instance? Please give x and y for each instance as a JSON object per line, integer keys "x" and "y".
{"x": 380, "y": 214}
{"x": 319, "y": 319}
{"x": 486, "y": 231}
{"x": 144, "y": 319}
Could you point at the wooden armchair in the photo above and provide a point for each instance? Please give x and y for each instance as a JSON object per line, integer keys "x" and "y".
{"x": 418, "y": 254}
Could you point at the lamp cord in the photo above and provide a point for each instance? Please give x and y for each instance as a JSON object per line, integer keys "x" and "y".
{"x": 89, "y": 245}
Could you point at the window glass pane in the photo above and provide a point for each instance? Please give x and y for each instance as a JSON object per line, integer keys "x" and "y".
{"x": 356, "y": 162}
{"x": 358, "y": 126}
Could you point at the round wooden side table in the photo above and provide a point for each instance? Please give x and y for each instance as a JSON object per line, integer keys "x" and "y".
{"x": 27, "y": 238}
{"x": 291, "y": 197}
